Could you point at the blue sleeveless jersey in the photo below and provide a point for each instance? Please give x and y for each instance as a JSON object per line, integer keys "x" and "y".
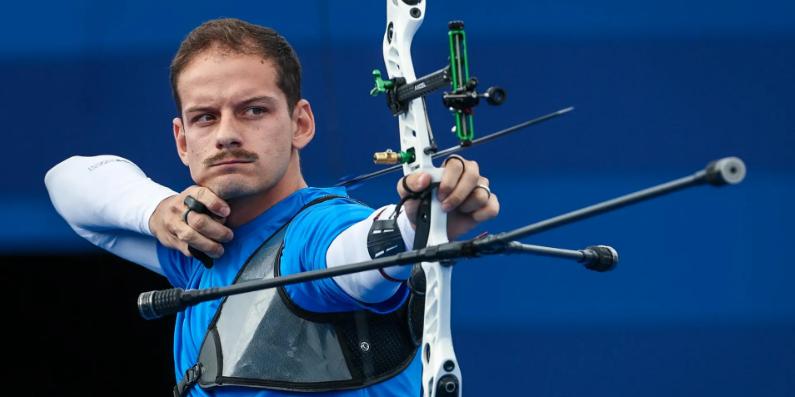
{"x": 306, "y": 241}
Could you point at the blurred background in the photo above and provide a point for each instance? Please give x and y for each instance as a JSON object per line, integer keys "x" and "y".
{"x": 701, "y": 304}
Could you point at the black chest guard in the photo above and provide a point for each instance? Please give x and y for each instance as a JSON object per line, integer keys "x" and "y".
{"x": 262, "y": 339}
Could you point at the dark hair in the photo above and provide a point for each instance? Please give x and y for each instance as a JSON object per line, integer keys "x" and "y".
{"x": 244, "y": 38}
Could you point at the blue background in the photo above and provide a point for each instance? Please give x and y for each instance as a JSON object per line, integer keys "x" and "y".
{"x": 702, "y": 302}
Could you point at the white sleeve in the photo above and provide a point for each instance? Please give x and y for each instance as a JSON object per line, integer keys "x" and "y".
{"x": 351, "y": 247}
{"x": 108, "y": 201}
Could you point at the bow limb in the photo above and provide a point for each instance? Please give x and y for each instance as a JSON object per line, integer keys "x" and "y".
{"x": 441, "y": 375}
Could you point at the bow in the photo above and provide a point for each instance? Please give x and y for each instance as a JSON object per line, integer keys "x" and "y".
{"x": 441, "y": 375}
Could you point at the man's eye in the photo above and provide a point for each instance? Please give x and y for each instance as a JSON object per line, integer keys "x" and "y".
{"x": 256, "y": 111}
{"x": 203, "y": 118}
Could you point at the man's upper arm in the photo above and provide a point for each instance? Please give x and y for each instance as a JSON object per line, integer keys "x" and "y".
{"x": 134, "y": 247}
{"x": 307, "y": 244}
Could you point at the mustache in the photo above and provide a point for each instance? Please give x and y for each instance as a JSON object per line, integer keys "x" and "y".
{"x": 233, "y": 154}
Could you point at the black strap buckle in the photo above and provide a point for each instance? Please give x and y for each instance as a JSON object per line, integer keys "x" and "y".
{"x": 191, "y": 377}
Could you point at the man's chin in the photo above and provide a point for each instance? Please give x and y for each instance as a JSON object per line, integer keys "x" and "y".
{"x": 231, "y": 189}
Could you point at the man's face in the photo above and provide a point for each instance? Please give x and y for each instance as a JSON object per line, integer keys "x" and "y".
{"x": 236, "y": 133}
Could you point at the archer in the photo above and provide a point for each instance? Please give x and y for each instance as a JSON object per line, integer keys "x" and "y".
{"x": 240, "y": 128}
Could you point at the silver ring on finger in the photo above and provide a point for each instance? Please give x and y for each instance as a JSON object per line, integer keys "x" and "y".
{"x": 486, "y": 188}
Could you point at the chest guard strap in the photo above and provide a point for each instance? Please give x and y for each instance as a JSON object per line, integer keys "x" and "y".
{"x": 262, "y": 339}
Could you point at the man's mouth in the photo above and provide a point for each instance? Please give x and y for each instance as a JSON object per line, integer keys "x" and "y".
{"x": 232, "y": 161}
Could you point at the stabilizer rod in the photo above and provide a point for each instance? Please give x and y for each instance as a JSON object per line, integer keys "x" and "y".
{"x": 729, "y": 170}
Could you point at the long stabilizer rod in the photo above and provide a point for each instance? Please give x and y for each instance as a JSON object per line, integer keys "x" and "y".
{"x": 729, "y": 170}
{"x": 726, "y": 171}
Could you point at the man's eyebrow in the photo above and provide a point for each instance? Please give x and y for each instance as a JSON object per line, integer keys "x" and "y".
{"x": 203, "y": 109}
{"x": 264, "y": 98}
{"x": 207, "y": 109}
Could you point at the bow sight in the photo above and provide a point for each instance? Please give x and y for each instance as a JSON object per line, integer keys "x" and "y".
{"x": 461, "y": 100}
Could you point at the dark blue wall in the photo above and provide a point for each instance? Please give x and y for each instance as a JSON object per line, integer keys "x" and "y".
{"x": 702, "y": 302}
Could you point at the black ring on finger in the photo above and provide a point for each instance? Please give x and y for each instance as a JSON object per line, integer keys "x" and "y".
{"x": 185, "y": 216}
{"x": 195, "y": 205}
{"x": 459, "y": 158}
{"x": 406, "y": 187}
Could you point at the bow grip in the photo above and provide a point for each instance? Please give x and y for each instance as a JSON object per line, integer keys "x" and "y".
{"x": 422, "y": 222}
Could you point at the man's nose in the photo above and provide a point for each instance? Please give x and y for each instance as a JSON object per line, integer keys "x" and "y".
{"x": 228, "y": 133}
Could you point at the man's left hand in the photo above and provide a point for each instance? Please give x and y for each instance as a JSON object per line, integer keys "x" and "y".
{"x": 464, "y": 194}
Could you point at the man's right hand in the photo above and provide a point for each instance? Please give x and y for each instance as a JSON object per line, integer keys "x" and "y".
{"x": 202, "y": 232}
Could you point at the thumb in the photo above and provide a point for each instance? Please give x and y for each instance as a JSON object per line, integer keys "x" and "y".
{"x": 408, "y": 185}
{"x": 415, "y": 182}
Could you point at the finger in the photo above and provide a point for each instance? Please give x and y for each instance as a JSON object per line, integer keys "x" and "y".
{"x": 174, "y": 243}
{"x": 171, "y": 241}
{"x": 416, "y": 182}
{"x": 194, "y": 239}
{"x": 209, "y": 227}
{"x": 454, "y": 168}
{"x": 477, "y": 199}
{"x": 410, "y": 208}
{"x": 210, "y": 200}
{"x": 172, "y": 227}
{"x": 458, "y": 224}
{"x": 489, "y": 211}
{"x": 463, "y": 188}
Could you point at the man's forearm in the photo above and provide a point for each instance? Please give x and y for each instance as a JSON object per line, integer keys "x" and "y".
{"x": 351, "y": 246}
{"x": 108, "y": 200}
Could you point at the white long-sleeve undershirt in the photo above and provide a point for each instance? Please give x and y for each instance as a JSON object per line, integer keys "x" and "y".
{"x": 108, "y": 201}
{"x": 351, "y": 247}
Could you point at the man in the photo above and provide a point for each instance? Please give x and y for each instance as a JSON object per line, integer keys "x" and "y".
{"x": 241, "y": 125}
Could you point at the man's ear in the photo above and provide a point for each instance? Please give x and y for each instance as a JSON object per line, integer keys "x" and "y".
{"x": 179, "y": 139}
{"x": 303, "y": 124}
